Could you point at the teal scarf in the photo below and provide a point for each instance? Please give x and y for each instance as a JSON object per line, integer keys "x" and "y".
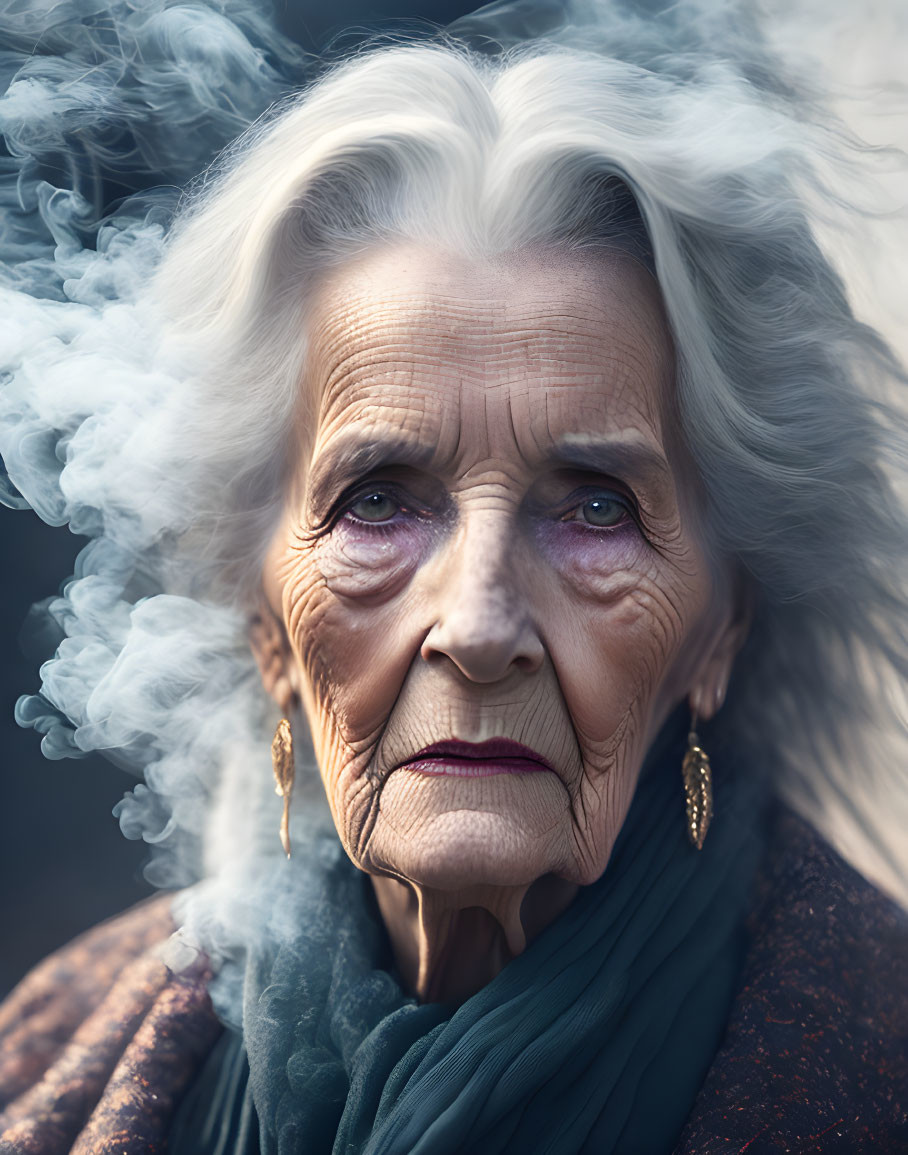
{"x": 596, "y": 1039}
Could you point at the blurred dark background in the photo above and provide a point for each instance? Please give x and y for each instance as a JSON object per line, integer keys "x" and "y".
{"x": 64, "y": 865}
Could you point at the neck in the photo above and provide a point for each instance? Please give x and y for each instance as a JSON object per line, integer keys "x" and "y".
{"x": 449, "y": 944}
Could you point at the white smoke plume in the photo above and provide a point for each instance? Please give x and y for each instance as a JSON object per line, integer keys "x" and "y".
{"x": 131, "y": 100}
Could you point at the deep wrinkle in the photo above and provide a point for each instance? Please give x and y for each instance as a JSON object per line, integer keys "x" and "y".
{"x": 482, "y": 404}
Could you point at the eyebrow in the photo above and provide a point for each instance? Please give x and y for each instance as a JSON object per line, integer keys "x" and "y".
{"x": 635, "y": 461}
{"x": 353, "y": 457}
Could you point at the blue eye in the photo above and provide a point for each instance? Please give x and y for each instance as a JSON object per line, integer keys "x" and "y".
{"x": 374, "y": 507}
{"x": 602, "y": 511}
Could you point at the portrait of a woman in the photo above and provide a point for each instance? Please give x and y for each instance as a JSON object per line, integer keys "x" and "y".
{"x": 495, "y": 582}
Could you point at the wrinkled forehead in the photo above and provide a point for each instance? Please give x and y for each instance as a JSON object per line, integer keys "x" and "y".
{"x": 519, "y": 350}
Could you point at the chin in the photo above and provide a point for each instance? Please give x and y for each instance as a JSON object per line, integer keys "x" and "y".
{"x": 448, "y": 834}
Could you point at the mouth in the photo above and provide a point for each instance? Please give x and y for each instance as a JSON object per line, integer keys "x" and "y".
{"x": 458, "y": 759}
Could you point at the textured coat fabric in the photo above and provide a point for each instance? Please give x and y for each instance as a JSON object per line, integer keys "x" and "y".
{"x": 99, "y": 1042}
{"x": 815, "y": 1057}
{"x": 814, "y": 1060}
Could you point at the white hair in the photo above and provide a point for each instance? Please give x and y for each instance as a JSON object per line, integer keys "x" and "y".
{"x": 712, "y": 182}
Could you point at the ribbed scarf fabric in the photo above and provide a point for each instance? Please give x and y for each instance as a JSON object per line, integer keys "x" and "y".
{"x": 596, "y": 1039}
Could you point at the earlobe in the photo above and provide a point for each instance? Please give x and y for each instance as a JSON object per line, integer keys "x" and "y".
{"x": 271, "y": 648}
{"x": 707, "y": 697}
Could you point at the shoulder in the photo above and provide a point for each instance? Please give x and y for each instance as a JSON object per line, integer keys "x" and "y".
{"x": 99, "y": 1040}
{"x": 816, "y": 1053}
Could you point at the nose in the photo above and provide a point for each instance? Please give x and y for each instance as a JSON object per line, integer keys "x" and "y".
{"x": 483, "y": 623}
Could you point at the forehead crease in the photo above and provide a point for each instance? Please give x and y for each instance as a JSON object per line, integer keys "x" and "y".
{"x": 389, "y": 317}
{"x": 548, "y": 303}
{"x": 429, "y": 351}
{"x": 381, "y": 408}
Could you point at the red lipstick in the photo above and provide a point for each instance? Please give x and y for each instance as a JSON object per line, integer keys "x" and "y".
{"x": 477, "y": 759}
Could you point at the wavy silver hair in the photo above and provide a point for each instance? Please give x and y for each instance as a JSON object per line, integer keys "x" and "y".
{"x": 713, "y": 179}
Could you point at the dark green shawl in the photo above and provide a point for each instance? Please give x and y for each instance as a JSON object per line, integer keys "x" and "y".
{"x": 596, "y": 1039}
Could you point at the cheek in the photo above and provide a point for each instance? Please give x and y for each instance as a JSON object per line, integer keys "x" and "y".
{"x": 620, "y": 621}
{"x": 355, "y": 625}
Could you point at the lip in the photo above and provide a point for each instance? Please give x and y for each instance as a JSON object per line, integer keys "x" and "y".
{"x": 458, "y": 759}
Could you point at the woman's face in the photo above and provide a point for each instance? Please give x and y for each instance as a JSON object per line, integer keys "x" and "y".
{"x": 493, "y": 535}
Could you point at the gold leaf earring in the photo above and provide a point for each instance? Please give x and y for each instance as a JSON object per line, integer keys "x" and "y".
{"x": 284, "y": 769}
{"x": 698, "y": 787}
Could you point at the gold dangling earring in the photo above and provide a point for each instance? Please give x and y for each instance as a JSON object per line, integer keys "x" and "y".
{"x": 284, "y": 769}
{"x": 698, "y": 787}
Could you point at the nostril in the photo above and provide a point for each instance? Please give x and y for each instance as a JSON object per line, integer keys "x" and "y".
{"x": 485, "y": 655}
{"x": 531, "y": 659}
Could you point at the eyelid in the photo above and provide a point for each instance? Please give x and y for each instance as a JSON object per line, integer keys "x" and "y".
{"x": 586, "y": 493}
{"x": 361, "y": 489}
{"x": 408, "y": 504}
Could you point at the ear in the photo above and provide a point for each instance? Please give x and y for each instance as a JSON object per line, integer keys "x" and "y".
{"x": 707, "y": 694}
{"x": 271, "y": 647}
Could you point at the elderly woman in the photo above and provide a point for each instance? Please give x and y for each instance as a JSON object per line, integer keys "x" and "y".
{"x": 506, "y": 411}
